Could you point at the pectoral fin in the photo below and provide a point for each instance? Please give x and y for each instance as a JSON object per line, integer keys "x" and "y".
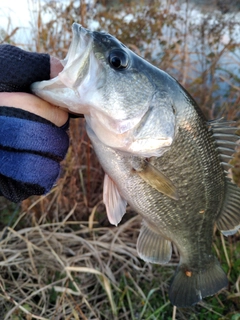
{"x": 114, "y": 202}
{"x": 152, "y": 247}
{"x": 156, "y": 179}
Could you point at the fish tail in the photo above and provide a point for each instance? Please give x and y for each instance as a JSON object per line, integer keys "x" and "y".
{"x": 189, "y": 286}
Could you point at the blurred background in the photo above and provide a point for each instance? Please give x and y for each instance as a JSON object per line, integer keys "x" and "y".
{"x": 59, "y": 256}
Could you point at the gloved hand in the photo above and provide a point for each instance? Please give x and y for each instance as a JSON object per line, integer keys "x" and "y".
{"x": 31, "y": 146}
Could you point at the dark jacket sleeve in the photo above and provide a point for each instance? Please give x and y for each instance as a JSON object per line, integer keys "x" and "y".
{"x": 19, "y": 68}
{"x": 31, "y": 147}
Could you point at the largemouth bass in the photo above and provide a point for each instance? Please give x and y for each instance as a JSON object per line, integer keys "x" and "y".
{"x": 159, "y": 153}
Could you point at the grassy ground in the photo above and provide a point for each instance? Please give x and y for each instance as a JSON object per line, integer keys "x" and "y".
{"x": 59, "y": 256}
{"x": 72, "y": 269}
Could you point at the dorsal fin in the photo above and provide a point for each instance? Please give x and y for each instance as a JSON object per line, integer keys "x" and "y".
{"x": 229, "y": 219}
{"x": 220, "y": 121}
{"x": 225, "y": 139}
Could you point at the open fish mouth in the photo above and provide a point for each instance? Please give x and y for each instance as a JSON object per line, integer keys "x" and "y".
{"x": 78, "y": 55}
{"x": 62, "y": 90}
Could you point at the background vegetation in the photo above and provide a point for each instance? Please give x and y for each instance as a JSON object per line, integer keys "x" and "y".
{"x": 59, "y": 257}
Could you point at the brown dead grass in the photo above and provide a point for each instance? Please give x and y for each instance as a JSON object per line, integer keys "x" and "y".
{"x": 53, "y": 257}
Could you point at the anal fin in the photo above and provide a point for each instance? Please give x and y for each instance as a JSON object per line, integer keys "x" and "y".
{"x": 229, "y": 219}
{"x": 152, "y": 247}
{"x": 114, "y": 202}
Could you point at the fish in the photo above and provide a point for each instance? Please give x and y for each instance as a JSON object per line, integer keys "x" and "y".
{"x": 159, "y": 153}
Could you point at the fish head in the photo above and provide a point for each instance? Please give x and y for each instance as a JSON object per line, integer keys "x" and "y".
{"x": 114, "y": 88}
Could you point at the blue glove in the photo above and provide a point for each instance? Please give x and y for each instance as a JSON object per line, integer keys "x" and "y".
{"x": 31, "y": 147}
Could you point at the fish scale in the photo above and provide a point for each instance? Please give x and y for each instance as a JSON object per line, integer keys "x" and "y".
{"x": 171, "y": 164}
{"x": 160, "y": 155}
{"x": 179, "y": 221}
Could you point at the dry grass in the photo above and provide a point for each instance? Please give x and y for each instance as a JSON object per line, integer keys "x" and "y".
{"x": 59, "y": 257}
{"x": 80, "y": 268}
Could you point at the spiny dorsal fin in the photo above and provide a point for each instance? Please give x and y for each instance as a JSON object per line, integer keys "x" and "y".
{"x": 221, "y": 129}
{"x": 226, "y": 151}
{"x": 229, "y": 219}
{"x": 225, "y": 139}
{"x": 221, "y": 121}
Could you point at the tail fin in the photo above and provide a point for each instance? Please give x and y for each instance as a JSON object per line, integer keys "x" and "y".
{"x": 189, "y": 287}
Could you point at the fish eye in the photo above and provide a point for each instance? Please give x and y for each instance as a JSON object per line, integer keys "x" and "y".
{"x": 118, "y": 59}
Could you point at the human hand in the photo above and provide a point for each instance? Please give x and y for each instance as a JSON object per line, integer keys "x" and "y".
{"x": 33, "y": 139}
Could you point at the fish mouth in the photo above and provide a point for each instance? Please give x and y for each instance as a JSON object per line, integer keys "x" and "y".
{"x": 79, "y": 50}
{"x": 62, "y": 90}
{"x": 79, "y": 31}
